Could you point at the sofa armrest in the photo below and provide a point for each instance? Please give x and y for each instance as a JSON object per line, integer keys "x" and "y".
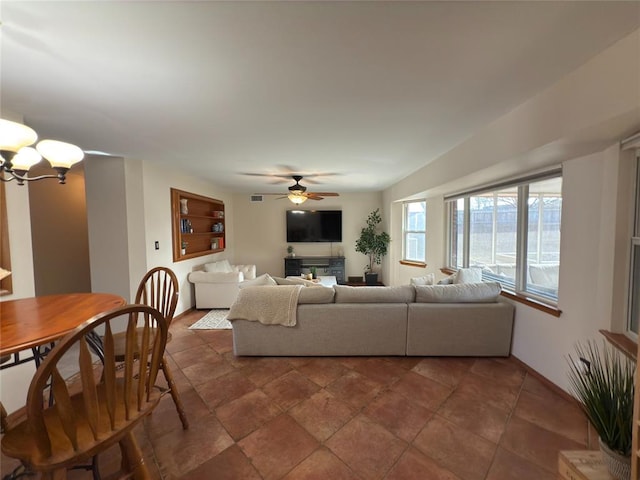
{"x": 216, "y": 277}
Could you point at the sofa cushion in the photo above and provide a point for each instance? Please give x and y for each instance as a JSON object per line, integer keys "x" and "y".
{"x": 428, "y": 279}
{"x": 461, "y": 293}
{"x": 220, "y": 266}
{"x": 401, "y": 294}
{"x": 468, "y": 275}
{"x": 316, "y": 295}
{"x": 263, "y": 280}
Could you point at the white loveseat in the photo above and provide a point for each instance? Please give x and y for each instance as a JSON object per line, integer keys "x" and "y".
{"x": 217, "y": 283}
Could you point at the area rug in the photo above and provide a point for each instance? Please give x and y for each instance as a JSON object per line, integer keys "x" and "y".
{"x": 214, "y": 320}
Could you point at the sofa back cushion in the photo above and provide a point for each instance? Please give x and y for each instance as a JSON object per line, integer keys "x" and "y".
{"x": 428, "y": 279}
{"x": 316, "y": 295}
{"x": 248, "y": 271}
{"x": 468, "y": 275}
{"x": 487, "y": 292}
{"x": 221, "y": 266}
{"x": 401, "y": 294}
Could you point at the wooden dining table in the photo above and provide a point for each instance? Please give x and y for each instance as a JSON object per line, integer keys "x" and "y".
{"x": 29, "y": 323}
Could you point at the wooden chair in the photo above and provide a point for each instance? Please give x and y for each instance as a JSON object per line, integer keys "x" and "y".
{"x": 102, "y": 408}
{"x": 158, "y": 289}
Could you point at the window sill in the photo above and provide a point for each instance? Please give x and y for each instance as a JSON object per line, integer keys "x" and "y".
{"x": 411, "y": 263}
{"x": 622, "y": 343}
{"x": 532, "y": 302}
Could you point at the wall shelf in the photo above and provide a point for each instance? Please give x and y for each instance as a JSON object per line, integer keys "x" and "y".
{"x": 202, "y": 228}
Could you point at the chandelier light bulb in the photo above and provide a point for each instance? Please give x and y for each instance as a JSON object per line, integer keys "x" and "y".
{"x": 26, "y": 158}
{"x": 60, "y": 154}
{"x": 14, "y": 136}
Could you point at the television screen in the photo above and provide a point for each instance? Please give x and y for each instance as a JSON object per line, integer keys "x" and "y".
{"x": 314, "y": 225}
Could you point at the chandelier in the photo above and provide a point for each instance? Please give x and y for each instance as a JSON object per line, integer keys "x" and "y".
{"x": 17, "y": 157}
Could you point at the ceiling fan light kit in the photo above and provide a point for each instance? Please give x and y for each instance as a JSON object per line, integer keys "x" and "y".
{"x": 298, "y": 193}
{"x": 296, "y": 198}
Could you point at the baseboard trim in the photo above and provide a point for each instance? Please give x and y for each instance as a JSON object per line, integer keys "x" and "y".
{"x": 186, "y": 312}
{"x": 546, "y": 382}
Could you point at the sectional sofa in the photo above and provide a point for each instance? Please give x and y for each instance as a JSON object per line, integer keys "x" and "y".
{"x": 429, "y": 320}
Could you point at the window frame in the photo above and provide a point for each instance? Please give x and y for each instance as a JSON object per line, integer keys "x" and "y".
{"x": 633, "y": 290}
{"x": 518, "y": 287}
{"x": 406, "y": 232}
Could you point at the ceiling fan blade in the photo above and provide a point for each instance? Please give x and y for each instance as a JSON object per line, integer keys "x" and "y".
{"x": 314, "y": 198}
{"x": 326, "y": 194}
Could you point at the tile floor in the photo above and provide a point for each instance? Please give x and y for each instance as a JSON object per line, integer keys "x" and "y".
{"x": 360, "y": 418}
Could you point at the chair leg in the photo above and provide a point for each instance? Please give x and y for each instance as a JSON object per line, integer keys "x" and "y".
{"x": 132, "y": 460}
{"x": 174, "y": 394}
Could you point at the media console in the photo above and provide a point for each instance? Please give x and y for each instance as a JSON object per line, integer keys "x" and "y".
{"x": 296, "y": 266}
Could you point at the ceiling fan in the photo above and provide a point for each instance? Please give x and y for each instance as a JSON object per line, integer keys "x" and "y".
{"x": 298, "y": 193}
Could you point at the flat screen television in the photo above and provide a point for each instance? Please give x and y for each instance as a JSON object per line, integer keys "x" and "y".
{"x": 314, "y": 226}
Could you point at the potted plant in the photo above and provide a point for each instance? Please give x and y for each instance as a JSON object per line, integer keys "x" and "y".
{"x": 183, "y": 251}
{"x": 374, "y": 244}
{"x": 290, "y": 251}
{"x": 603, "y": 383}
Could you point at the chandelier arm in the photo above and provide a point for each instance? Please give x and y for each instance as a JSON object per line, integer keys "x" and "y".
{"x": 23, "y": 178}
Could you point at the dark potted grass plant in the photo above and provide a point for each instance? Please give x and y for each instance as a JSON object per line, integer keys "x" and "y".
{"x": 602, "y": 380}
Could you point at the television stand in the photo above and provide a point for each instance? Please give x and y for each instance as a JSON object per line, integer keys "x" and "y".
{"x": 296, "y": 266}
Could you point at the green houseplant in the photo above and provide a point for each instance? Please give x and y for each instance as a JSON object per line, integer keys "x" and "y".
{"x": 373, "y": 244}
{"x": 290, "y": 251}
{"x": 602, "y": 380}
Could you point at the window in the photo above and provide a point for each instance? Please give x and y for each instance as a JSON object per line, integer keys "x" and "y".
{"x": 512, "y": 233}
{"x": 633, "y": 315}
{"x": 414, "y": 231}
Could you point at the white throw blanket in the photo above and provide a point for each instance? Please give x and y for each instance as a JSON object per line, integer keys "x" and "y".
{"x": 267, "y": 304}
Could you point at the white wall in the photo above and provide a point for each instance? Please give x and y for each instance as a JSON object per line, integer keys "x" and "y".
{"x": 586, "y": 269}
{"x": 156, "y": 187}
{"x": 260, "y": 231}
{"x": 107, "y": 220}
{"x": 14, "y": 381}
{"x": 576, "y": 122}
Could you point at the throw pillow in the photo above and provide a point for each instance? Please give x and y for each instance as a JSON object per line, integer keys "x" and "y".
{"x": 221, "y": 266}
{"x": 468, "y": 275}
{"x": 425, "y": 280}
{"x": 265, "y": 280}
{"x": 486, "y": 292}
{"x": 446, "y": 280}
